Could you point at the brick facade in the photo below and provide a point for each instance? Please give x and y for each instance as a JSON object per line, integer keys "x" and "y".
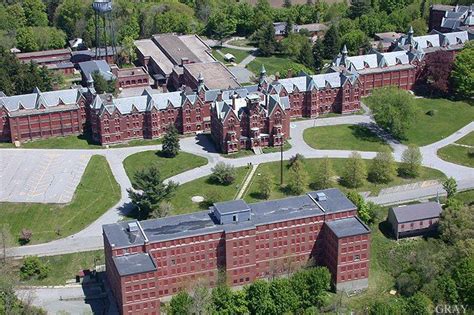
{"x": 42, "y": 115}
{"x": 248, "y": 249}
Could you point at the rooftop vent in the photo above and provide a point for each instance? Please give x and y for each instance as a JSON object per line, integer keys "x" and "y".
{"x": 133, "y": 227}
{"x": 320, "y": 196}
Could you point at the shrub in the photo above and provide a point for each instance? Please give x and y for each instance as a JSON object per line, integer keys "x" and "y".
{"x": 33, "y": 266}
{"x": 431, "y": 112}
{"x": 223, "y": 174}
{"x": 25, "y": 236}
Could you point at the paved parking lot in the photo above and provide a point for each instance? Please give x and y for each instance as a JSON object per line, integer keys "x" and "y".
{"x": 46, "y": 177}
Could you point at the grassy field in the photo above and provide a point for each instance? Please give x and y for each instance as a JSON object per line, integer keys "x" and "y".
{"x": 182, "y": 203}
{"x": 273, "y": 169}
{"x": 238, "y": 54}
{"x": 240, "y": 43}
{"x": 449, "y": 117}
{"x": 467, "y": 139}
{"x": 77, "y": 142}
{"x": 168, "y": 166}
{"x": 344, "y": 137}
{"x": 275, "y": 64}
{"x": 66, "y": 267}
{"x": 459, "y": 154}
{"x": 96, "y": 193}
{"x": 456, "y": 154}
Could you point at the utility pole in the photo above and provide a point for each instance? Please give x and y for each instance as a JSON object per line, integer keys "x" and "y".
{"x": 281, "y": 162}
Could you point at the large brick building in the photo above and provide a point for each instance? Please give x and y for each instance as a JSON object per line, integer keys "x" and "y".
{"x": 42, "y": 115}
{"x": 448, "y": 18}
{"x": 256, "y": 115}
{"x": 151, "y": 259}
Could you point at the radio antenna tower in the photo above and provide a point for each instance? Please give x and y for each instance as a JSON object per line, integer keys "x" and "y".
{"x": 104, "y": 29}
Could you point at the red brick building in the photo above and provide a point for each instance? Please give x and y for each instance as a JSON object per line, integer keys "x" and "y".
{"x": 151, "y": 259}
{"x": 416, "y": 219}
{"x": 56, "y": 59}
{"x": 42, "y": 115}
{"x": 131, "y": 77}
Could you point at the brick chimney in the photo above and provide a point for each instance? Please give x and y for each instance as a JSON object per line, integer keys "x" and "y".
{"x": 184, "y": 61}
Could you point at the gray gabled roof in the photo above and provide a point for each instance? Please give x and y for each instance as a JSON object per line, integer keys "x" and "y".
{"x": 35, "y": 100}
{"x": 100, "y": 66}
{"x": 415, "y": 212}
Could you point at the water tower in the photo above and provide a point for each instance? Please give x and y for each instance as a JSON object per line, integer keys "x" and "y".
{"x": 104, "y": 29}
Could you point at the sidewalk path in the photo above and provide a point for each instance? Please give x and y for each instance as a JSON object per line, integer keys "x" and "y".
{"x": 91, "y": 237}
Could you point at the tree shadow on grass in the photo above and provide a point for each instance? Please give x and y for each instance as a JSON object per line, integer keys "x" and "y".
{"x": 257, "y": 195}
{"x": 364, "y": 132}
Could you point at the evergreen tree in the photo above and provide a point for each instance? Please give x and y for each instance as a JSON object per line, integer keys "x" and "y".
{"x": 382, "y": 169}
{"x": 171, "y": 142}
{"x": 331, "y": 42}
{"x": 305, "y": 56}
{"x": 318, "y": 54}
{"x": 355, "y": 171}
{"x": 101, "y": 85}
{"x": 411, "y": 162}
{"x": 298, "y": 178}
{"x": 324, "y": 175}
{"x": 264, "y": 184}
{"x": 265, "y": 39}
{"x": 150, "y": 191}
{"x": 358, "y": 8}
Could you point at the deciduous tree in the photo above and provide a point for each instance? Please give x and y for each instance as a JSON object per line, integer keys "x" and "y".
{"x": 298, "y": 178}
{"x": 450, "y": 186}
{"x": 463, "y": 72}
{"x": 435, "y": 75}
{"x": 264, "y": 184}
{"x": 259, "y": 298}
{"x": 355, "y": 171}
{"x": 411, "y": 162}
{"x": 223, "y": 174}
{"x": 382, "y": 168}
{"x": 324, "y": 175}
{"x": 180, "y": 304}
{"x": 393, "y": 110}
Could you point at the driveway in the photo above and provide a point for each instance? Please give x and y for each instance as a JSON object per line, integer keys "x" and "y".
{"x": 91, "y": 237}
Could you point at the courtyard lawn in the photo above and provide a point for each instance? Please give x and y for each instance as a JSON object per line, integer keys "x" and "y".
{"x": 182, "y": 202}
{"x": 168, "y": 166}
{"x": 467, "y": 139}
{"x": 456, "y": 154}
{"x": 448, "y": 117}
{"x": 275, "y": 64}
{"x": 67, "y": 142}
{"x": 66, "y": 267}
{"x": 273, "y": 169}
{"x": 96, "y": 193}
{"x": 344, "y": 137}
{"x": 238, "y": 54}
{"x": 241, "y": 43}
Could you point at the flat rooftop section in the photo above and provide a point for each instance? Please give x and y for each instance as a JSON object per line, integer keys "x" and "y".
{"x": 215, "y": 74}
{"x": 204, "y": 222}
{"x": 347, "y": 227}
{"x": 416, "y": 212}
{"x": 233, "y": 206}
{"x": 133, "y": 264}
{"x": 198, "y": 47}
{"x": 127, "y": 72}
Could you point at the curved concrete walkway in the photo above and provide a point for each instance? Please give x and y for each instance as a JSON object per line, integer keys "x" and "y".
{"x": 91, "y": 237}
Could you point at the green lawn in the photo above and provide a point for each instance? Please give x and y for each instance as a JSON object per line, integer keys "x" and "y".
{"x": 449, "y": 117}
{"x": 238, "y": 54}
{"x": 275, "y": 64}
{"x": 459, "y": 154}
{"x": 241, "y": 43}
{"x": 467, "y": 139}
{"x": 182, "y": 203}
{"x": 77, "y": 142}
{"x": 456, "y": 154}
{"x": 344, "y": 137}
{"x": 168, "y": 166}
{"x": 66, "y": 267}
{"x": 96, "y": 193}
{"x": 273, "y": 169}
